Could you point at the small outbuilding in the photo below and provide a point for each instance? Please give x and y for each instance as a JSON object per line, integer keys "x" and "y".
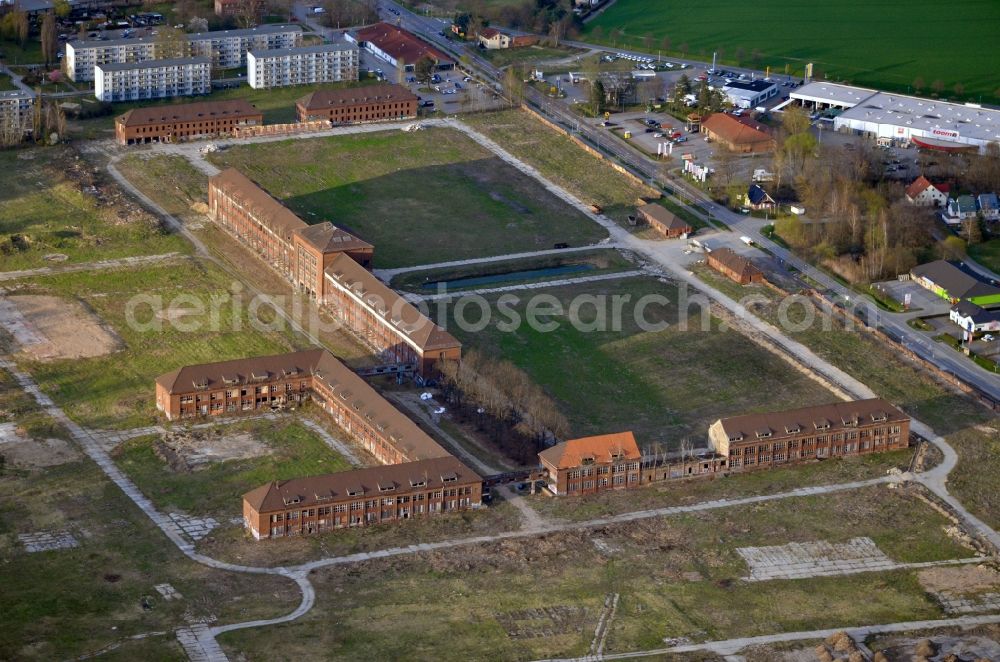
{"x": 734, "y": 266}
{"x": 664, "y": 221}
{"x": 757, "y": 198}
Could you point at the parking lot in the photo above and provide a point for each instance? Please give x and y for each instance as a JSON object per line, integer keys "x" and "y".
{"x": 920, "y": 298}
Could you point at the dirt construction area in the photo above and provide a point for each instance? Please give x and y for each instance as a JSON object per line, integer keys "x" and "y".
{"x": 21, "y": 451}
{"x": 190, "y": 450}
{"x": 52, "y": 328}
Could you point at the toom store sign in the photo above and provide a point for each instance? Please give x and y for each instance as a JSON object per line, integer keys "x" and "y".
{"x": 944, "y": 133}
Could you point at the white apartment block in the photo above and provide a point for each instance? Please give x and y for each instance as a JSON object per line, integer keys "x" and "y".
{"x": 228, "y": 48}
{"x": 82, "y": 56}
{"x": 15, "y": 110}
{"x": 325, "y": 63}
{"x": 225, "y": 48}
{"x": 156, "y": 79}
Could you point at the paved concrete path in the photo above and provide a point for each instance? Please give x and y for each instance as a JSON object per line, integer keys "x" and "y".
{"x": 388, "y": 274}
{"x": 733, "y": 646}
{"x": 531, "y": 285}
{"x": 101, "y": 265}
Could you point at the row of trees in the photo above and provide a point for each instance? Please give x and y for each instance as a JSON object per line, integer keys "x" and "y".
{"x": 341, "y": 13}
{"x": 503, "y": 399}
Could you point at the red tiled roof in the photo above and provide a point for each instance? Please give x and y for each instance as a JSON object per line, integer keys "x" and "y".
{"x": 400, "y": 44}
{"x": 732, "y": 130}
{"x": 489, "y": 33}
{"x": 572, "y": 452}
{"x": 350, "y": 96}
{"x": 189, "y": 112}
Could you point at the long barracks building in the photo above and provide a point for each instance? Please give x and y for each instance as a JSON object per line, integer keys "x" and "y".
{"x": 187, "y": 121}
{"x": 332, "y": 266}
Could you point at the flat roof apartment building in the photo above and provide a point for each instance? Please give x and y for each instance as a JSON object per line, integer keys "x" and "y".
{"x": 16, "y": 109}
{"x": 188, "y": 121}
{"x": 375, "y": 495}
{"x": 298, "y": 251}
{"x": 756, "y": 441}
{"x": 324, "y": 63}
{"x": 83, "y": 56}
{"x": 244, "y": 386}
{"x": 593, "y": 464}
{"x": 154, "y": 79}
{"x": 228, "y": 48}
{"x": 372, "y": 103}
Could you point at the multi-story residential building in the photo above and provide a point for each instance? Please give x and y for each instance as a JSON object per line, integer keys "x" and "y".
{"x": 387, "y": 322}
{"x": 756, "y": 441}
{"x": 270, "y": 382}
{"x": 82, "y": 57}
{"x": 332, "y": 266}
{"x": 372, "y": 103}
{"x": 298, "y": 251}
{"x": 592, "y": 464}
{"x": 224, "y": 48}
{"x": 154, "y": 79}
{"x": 228, "y": 48}
{"x": 188, "y": 121}
{"x": 323, "y": 63}
{"x": 375, "y": 495}
{"x": 16, "y": 108}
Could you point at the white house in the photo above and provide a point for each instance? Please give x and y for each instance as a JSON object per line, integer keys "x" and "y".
{"x": 974, "y": 319}
{"x": 959, "y": 209}
{"x": 923, "y": 193}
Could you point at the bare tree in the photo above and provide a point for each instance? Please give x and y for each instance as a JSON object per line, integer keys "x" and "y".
{"x": 48, "y": 38}
{"x": 919, "y": 84}
{"x": 22, "y": 27}
{"x": 171, "y": 42}
{"x": 248, "y": 12}
{"x": 959, "y": 89}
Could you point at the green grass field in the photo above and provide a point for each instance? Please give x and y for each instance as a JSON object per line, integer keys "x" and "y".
{"x": 421, "y": 197}
{"x": 987, "y": 254}
{"x": 43, "y": 211}
{"x": 664, "y": 385}
{"x": 677, "y": 576}
{"x": 216, "y": 488}
{"x": 887, "y": 45}
{"x": 116, "y": 390}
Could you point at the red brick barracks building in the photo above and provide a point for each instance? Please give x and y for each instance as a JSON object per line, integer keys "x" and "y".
{"x": 185, "y": 121}
{"x": 266, "y": 382}
{"x": 835, "y": 430}
{"x": 354, "y": 105}
{"x": 332, "y": 266}
{"x": 361, "y": 497}
{"x": 592, "y": 464}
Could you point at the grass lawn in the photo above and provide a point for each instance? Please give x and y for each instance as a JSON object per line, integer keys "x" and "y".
{"x": 562, "y": 161}
{"x": 217, "y": 488}
{"x": 420, "y": 197}
{"x": 530, "y": 54}
{"x": 64, "y": 603}
{"x": 12, "y": 53}
{"x": 6, "y": 84}
{"x": 116, "y": 391}
{"x": 842, "y": 40}
{"x": 505, "y": 272}
{"x": 987, "y": 254}
{"x": 679, "y": 576}
{"x": 43, "y": 211}
{"x": 664, "y": 385}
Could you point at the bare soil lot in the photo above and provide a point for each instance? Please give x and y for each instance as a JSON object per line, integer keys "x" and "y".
{"x": 54, "y": 328}
{"x": 22, "y": 452}
{"x": 191, "y": 450}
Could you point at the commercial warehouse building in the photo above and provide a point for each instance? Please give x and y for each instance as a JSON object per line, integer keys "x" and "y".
{"x": 323, "y": 63}
{"x": 592, "y": 464}
{"x": 928, "y": 123}
{"x": 955, "y": 282}
{"x": 16, "y": 108}
{"x": 371, "y": 103}
{"x": 362, "y": 497}
{"x": 749, "y": 94}
{"x": 154, "y": 79}
{"x": 399, "y": 48}
{"x": 755, "y": 441}
{"x": 188, "y": 121}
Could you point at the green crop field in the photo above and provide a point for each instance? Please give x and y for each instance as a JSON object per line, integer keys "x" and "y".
{"x": 421, "y": 197}
{"x": 888, "y": 44}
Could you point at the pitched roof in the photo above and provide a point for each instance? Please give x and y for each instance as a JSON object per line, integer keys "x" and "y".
{"x": 988, "y": 201}
{"x": 731, "y": 130}
{"x": 758, "y": 195}
{"x": 350, "y": 96}
{"x": 389, "y": 305}
{"x": 976, "y": 313}
{"x": 372, "y": 481}
{"x": 188, "y": 112}
{"x": 733, "y": 261}
{"x": 919, "y": 185}
{"x": 965, "y": 203}
{"x": 829, "y": 417}
{"x": 664, "y": 216}
{"x": 320, "y": 364}
{"x": 278, "y": 217}
{"x": 600, "y": 448}
{"x": 489, "y": 33}
{"x": 328, "y": 238}
{"x": 400, "y": 44}
{"x": 956, "y": 279}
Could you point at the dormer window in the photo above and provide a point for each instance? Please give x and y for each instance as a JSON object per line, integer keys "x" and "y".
{"x": 448, "y": 478}
{"x": 355, "y": 491}
{"x": 418, "y": 482}
{"x": 879, "y": 417}
{"x": 585, "y": 461}
{"x": 822, "y": 425}
{"x": 259, "y": 375}
{"x": 200, "y": 383}
{"x": 230, "y": 380}
{"x": 291, "y": 500}
{"x": 793, "y": 428}
{"x": 764, "y": 433}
